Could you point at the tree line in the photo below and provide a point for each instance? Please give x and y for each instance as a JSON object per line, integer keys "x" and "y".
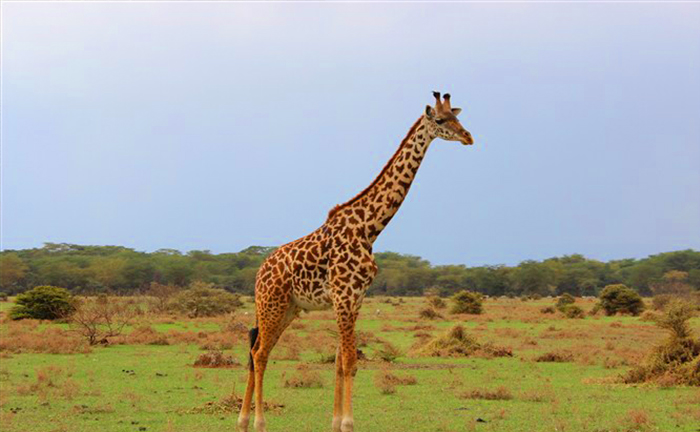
{"x": 85, "y": 269}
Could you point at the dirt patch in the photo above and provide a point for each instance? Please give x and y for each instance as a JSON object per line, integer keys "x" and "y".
{"x": 215, "y": 359}
{"x": 231, "y": 404}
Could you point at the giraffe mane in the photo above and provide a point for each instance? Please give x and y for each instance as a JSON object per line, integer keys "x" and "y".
{"x": 359, "y": 196}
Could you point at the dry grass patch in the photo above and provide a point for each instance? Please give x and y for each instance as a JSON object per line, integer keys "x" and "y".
{"x": 304, "y": 377}
{"x": 561, "y": 356}
{"x": 231, "y": 404}
{"x": 386, "y": 381}
{"x": 215, "y": 359}
{"x": 457, "y": 343}
{"x": 499, "y": 393}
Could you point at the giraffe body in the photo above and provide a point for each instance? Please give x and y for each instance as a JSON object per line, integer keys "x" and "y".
{"x": 333, "y": 266}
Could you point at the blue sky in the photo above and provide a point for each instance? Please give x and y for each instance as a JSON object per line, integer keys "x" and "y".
{"x": 219, "y": 126}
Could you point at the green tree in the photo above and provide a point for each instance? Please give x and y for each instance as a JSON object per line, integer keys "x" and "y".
{"x": 12, "y": 270}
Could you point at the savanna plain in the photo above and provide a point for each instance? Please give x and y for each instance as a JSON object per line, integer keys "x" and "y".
{"x": 529, "y": 371}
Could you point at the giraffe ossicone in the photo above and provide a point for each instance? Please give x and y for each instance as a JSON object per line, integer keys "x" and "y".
{"x": 333, "y": 266}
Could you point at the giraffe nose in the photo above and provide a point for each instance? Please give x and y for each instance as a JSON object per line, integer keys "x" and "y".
{"x": 467, "y": 138}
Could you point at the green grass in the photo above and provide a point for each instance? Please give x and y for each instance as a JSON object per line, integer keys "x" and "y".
{"x": 91, "y": 392}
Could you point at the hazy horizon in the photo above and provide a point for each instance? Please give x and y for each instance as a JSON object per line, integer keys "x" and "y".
{"x": 217, "y": 126}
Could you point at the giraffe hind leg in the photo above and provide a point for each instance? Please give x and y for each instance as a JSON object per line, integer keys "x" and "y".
{"x": 244, "y": 415}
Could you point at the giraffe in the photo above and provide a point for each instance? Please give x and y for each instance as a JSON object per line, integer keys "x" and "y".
{"x": 333, "y": 266}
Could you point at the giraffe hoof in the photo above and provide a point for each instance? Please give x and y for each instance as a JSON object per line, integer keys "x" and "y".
{"x": 347, "y": 425}
{"x": 243, "y": 424}
{"x": 336, "y": 424}
{"x": 260, "y": 426}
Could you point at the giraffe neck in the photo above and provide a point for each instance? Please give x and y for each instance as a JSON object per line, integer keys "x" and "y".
{"x": 378, "y": 203}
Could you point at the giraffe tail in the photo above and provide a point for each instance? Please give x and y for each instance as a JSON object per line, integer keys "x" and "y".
{"x": 253, "y": 336}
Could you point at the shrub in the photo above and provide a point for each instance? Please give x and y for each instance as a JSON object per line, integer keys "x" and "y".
{"x": 660, "y": 301}
{"x": 619, "y": 298}
{"x": 677, "y": 360}
{"x": 388, "y": 353}
{"x": 565, "y": 300}
{"x": 202, "y": 299}
{"x": 436, "y": 302}
{"x": 3, "y": 296}
{"x": 101, "y": 318}
{"x": 43, "y": 302}
{"x": 548, "y": 310}
{"x": 467, "y": 302}
{"x": 429, "y": 313}
{"x": 573, "y": 311}
{"x": 161, "y": 295}
{"x": 457, "y": 343}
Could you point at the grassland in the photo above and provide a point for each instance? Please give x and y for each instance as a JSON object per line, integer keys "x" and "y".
{"x": 145, "y": 380}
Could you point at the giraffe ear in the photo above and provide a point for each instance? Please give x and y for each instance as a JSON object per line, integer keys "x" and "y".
{"x": 456, "y": 111}
{"x": 429, "y": 111}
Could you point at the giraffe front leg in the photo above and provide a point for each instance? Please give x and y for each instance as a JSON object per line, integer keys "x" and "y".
{"x": 346, "y": 323}
{"x": 338, "y": 400}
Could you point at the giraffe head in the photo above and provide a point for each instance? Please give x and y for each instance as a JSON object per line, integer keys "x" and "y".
{"x": 443, "y": 122}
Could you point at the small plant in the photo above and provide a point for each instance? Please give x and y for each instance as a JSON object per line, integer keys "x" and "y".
{"x": 43, "y": 302}
{"x": 548, "y": 310}
{"x": 619, "y": 299}
{"x": 565, "y": 300}
{"x": 304, "y": 378}
{"x": 3, "y": 296}
{"x": 436, "y": 302}
{"x": 388, "y": 353}
{"x": 573, "y": 311}
{"x": 467, "y": 302}
{"x": 429, "y": 313}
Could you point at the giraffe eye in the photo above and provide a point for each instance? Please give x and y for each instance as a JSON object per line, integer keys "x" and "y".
{"x": 439, "y": 121}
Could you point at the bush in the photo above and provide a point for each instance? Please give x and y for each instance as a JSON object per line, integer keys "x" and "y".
{"x": 548, "y": 310}
{"x": 565, "y": 300}
{"x": 101, "y": 318}
{"x": 3, "y": 296}
{"x": 619, "y": 298}
{"x": 573, "y": 311}
{"x": 660, "y": 301}
{"x": 457, "y": 343}
{"x": 43, "y": 302}
{"x": 161, "y": 295}
{"x": 677, "y": 360}
{"x": 467, "y": 302}
{"x": 388, "y": 353}
{"x": 202, "y": 299}
{"x": 429, "y": 313}
{"x": 436, "y": 302}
